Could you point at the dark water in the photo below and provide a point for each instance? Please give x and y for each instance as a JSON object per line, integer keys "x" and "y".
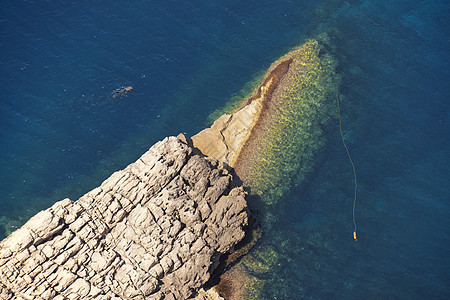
{"x": 61, "y": 132}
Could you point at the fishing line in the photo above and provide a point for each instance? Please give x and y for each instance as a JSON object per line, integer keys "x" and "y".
{"x": 351, "y": 162}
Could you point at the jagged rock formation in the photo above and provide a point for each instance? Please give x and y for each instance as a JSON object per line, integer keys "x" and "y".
{"x": 154, "y": 230}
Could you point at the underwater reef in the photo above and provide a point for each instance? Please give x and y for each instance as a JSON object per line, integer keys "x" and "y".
{"x": 281, "y": 149}
{"x": 271, "y": 140}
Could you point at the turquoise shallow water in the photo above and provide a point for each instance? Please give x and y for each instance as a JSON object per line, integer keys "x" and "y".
{"x": 62, "y": 133}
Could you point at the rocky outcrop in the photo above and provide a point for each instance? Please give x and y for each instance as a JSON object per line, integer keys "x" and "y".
{"x": 154, "y": 230}
{"x": 225, "y": 139}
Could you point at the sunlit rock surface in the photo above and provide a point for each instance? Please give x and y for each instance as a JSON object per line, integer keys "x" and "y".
{"x": 154, "y": 230}
{"x": 226, "y": 137}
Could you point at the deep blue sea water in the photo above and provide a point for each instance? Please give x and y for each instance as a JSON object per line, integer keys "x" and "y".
{"x": 62, "y": 133}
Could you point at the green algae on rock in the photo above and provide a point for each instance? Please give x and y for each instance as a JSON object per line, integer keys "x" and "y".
{"x": 296, "y": 99}
{"x": 280, "y": 151}
{"x": 271, "y": 141}
{"x": 262, "y": 260}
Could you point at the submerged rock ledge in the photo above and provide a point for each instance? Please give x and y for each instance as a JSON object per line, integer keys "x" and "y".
{"x": 155, "y": 230}
{"x": 271, "y": 141}
{"x": 226, "y": 138}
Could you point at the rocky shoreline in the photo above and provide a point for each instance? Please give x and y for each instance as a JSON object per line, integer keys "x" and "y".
{"x": 158, "y": 228}
{"x": 155, "y": 230}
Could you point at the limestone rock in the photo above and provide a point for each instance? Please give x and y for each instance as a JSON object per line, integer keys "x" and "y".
{"x": 225, "y": 139}
{"x": 151, "y": 231}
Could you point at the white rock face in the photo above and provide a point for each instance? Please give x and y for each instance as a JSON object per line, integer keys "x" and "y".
{"x": 154, "y": 230}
